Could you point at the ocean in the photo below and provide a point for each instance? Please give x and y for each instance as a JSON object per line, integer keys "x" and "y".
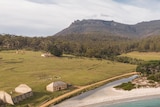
{"x": 149, "y": 102}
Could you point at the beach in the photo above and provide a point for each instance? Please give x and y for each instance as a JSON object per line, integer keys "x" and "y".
{"x": 126, "y": 96}
{"x": 108, "y": 94}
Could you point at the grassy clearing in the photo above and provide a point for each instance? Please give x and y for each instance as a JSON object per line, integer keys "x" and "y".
{"x": 32, "y": 69}
{"x": 143, "y": 55}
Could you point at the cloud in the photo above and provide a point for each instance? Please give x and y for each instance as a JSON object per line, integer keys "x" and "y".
{"x": 148, "y": 4}
{"x": 47, "y": 17}
{"x": 43, "y": 1}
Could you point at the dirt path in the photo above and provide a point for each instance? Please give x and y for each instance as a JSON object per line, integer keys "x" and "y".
{"x": 53, "y": 101}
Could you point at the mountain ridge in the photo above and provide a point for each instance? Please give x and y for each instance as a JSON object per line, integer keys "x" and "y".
{"x": 91, "y": 26}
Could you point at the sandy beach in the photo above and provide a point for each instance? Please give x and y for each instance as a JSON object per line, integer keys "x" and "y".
{"x": 108, "y": 94}
{"x": 117, "y": 96}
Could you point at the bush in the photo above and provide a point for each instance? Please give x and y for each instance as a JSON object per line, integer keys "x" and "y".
{"x": 126, "y": 86}
{"x": 55, "y": 50}
{"x": 154, "y": 77}
{"x": 149, "y": 68}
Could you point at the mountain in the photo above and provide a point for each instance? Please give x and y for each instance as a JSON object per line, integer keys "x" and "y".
{"x": 143, "y": 29}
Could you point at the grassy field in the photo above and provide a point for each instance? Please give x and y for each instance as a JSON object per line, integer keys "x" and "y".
{"x": 143, "y": 55}
{"x": 32, "y": 69}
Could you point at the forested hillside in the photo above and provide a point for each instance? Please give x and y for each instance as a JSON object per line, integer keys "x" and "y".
{"x": 150, "y": 43}
{"x": 82, "y": 45}
{"x": 87, "y": 42}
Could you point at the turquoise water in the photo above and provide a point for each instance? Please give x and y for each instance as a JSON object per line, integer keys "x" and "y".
{"x": 154, "y": 102}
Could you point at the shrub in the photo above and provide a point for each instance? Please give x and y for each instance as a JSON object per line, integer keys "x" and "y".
{"x": 126, "y": 86}
{"x": 154, "y": 77}
{"x": 55, "y": 50}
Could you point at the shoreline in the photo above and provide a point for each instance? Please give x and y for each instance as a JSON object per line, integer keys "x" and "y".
{"x": 125, "y": 100}
{"x": 82, "y": 89}
{"x": 120, "y": 96}
{"x": 107, "y": 95}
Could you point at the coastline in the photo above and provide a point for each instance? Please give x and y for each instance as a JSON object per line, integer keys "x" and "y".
{"x": 123, "y": 100}
{"x": 90, "y": 87}
{"x": 107, "y": 95}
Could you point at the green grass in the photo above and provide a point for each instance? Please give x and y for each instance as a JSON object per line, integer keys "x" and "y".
{"x": 32, "y": 69}
{"x": 143, "y": 55}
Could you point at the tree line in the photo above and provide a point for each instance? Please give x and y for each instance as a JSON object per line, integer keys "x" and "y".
{"x": 88, "y": 45}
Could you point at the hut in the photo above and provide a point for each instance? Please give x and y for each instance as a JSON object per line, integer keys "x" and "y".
{"x": 5, "y": 98}
{"x": 56, "y": 86}
{"x": 23, "y": 88}
{"x": 24, "y": 92}
{"x": 46, "y": 55}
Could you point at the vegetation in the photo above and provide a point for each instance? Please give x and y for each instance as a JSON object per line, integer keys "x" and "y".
{"x": 154, "y": 77}
{"x": 146, "y": 56}
{"x": 126, "y": 86}
{"x": 55, "y": 50}
{"x": 89, "y": 45}
{"x": 149, "y": 44}
{"x": 150, "y": 67}
{"x": 30, "y": 68}
{"x": 125, "y": 59}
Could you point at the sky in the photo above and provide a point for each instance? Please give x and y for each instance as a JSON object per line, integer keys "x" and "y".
{"x": 48, "y": 17}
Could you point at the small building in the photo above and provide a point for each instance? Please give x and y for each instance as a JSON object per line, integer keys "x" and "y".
{"x": 46, "y": 55}
{"x": 23, "y": 88}
{"x": 24, "y": 92}
{"x": 2, "y": 104}
{"x": 56, "y": 86}
{"x": 5, "y": 98}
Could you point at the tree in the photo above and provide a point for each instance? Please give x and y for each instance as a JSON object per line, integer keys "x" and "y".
{"x": 55, "y": 50}
{"x": 150, "y": 67}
